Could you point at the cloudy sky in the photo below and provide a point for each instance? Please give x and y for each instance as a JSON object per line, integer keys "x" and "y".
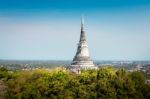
{"x": 50, "y": 29}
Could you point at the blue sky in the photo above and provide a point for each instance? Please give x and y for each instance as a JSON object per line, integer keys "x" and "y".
{"x": 50, "y": 29}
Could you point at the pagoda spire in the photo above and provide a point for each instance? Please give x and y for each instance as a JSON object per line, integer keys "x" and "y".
{"x": 82, "y": 23}
{"x": 82, "y": 35}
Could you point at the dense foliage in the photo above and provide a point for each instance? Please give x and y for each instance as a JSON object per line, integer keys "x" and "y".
{"x": 104, "y": 83}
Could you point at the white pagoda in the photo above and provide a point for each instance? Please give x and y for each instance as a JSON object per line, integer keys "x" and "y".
{"x": 81, "y": 60}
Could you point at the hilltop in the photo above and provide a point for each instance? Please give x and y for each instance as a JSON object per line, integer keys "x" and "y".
{"x": 59, "y": 83}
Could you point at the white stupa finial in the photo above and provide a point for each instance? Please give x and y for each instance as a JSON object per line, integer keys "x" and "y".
{"x": 82, "y": 22}
{"x": 82, "y": 19}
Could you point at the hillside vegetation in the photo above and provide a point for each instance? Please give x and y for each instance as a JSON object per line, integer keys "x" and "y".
{"x": 104, "y": 83}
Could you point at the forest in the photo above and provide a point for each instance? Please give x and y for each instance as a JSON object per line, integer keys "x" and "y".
{"x": 59, "y": 83}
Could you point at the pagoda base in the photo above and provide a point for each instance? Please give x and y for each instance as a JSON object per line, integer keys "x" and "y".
{"x": 77, "y": 66}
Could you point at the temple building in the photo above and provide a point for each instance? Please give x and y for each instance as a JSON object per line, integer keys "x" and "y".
{"x": 82, "y": 60}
